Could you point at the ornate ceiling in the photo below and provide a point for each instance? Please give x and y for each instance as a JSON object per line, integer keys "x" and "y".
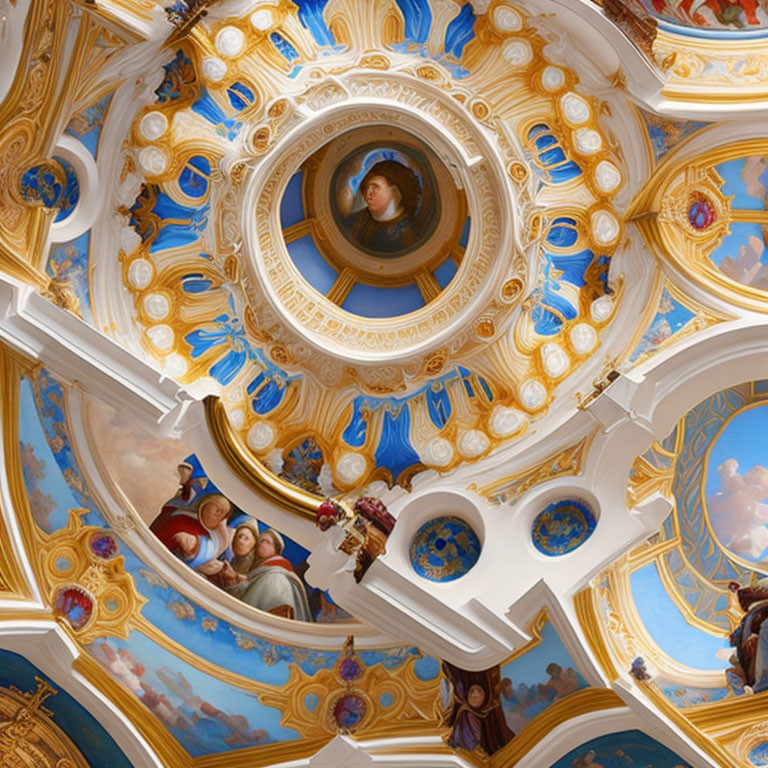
{"x": 383, "y": 383}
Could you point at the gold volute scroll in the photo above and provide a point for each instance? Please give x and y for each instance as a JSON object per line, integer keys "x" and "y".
{"x": 265, "y": 482}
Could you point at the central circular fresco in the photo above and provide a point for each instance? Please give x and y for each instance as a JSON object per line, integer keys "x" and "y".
{"x": 384, "y": 199}
{"x": 374, "y": 221}
{"x": 393, "y": 229}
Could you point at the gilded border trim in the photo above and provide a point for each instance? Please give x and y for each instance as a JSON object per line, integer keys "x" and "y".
{"x": 265, "y": 482}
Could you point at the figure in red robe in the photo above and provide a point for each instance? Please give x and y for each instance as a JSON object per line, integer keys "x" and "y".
{"x": 198, "y": 534}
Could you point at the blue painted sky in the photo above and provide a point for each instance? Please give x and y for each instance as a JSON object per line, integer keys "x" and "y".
{"x": 745, "y": 438}
{"x": 530, "y": 668}
{"x": 52, "y": 482}
{"x": 734, "y": 185}
{"x": 187, "y": 688}
{"x": 740, "y": 232}
{"x": 668, "y": 627}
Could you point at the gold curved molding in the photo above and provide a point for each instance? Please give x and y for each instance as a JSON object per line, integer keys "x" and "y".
{"x": 586, "y": 614}
{"x": 657, "y": 214}
{"x": 28, "y": 734}
{"x": 510, "y": 488}
{"x": 694, "y": 726}
{"x": 11, "y": 366}
{"x": 248, "y": 468}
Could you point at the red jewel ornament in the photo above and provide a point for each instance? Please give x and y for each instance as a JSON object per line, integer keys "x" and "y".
{"x": 701, "y": 213}
{"x": 74, "y": 605}
{"x": 328, "y": 514}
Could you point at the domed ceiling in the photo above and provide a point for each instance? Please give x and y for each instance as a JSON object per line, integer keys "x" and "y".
{"x": 382, "y": 383}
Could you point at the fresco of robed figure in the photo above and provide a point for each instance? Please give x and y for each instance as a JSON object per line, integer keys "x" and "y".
{"x": 235, "y": 552}
{"x": 384, "y": 200}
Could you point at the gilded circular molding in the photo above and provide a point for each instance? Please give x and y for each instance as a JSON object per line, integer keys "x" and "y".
{"x": 223, "y": 301}
{"x": 425, "y": 113}
{"x": 434, "y": 226}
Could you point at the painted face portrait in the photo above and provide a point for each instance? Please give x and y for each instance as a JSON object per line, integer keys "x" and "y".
{"x": 476, "y": 696}
{"x": 213, "y": 511}
{"x": 381, "y": 197}
{"x": 392, "y": 194}
{"x": 244, "y": 541}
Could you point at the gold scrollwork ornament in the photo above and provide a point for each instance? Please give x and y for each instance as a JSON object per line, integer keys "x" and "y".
{"x": 88, "y": 587}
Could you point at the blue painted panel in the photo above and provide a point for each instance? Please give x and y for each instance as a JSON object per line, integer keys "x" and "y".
{"x": 668, "y": 627}
{"x": 71, "y": 193}
{"x": 619, "y": 750}
{"x": 68, "y": 266}
{"x": 671, "y": 317}
{"x": 444, "y": 549}
{"x": 438, "y": 404}
{"x": 418, "y": 19}
{"x": 311, "y": 16}
{"x": 208, "y": 109}
{"x": 96, "y": 745}
{"x": 563, "y": 232}
{"x": 355, "y": 432}
{"x": 464, "y": 237}
{"x": 375, "y": 301}
{"x": 445, "y": 272}
{"x": 188, "y": 223}
{"x": 49, "y": 496}
{"x": 193, "y": 180}
{"x": 563, "y": 526}
{"x": 394, "y": 451}
{"x": 292, "y": 205}
{"x": 460, "y": 31}
{"x": 537, "y": 679}
{"x": 87, "y": 125}
{"x": 240, "y": 96}
{"x": 284, "y": 47}
{"x": 312, "y": 265}
{"x": 565, "y": 172}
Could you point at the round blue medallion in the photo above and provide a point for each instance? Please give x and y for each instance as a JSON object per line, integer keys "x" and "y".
{"x": 444, "y": 549}
{"x": 562, "y": 526}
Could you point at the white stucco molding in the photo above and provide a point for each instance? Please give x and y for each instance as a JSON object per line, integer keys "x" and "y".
{"x": 46, "y": 645}
{"x": 343, "y": 752}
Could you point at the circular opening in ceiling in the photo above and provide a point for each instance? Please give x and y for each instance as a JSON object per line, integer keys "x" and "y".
{"x": 384, "y": 199}
{"x": 374, "y": 221}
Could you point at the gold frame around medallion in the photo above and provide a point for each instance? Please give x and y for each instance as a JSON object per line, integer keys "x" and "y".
{"x": 702, "y": 496}
{"x": 654, "y": 212}
{"x": 27, "y": 723}
{"x": 373, "y": 270}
